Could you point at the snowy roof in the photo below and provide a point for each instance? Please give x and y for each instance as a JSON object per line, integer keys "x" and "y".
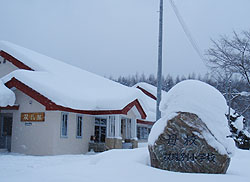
{"x": 149, "y": 106}
{"x": 7, "y": 97}
{"x": 150, "y": 88}
{"x": 67, "y": 85}
{"x": 148, "y": 103}
{"x": 203, "y": 100}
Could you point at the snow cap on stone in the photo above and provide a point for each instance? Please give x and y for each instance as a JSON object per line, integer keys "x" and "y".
{"x": 203, "y": 100}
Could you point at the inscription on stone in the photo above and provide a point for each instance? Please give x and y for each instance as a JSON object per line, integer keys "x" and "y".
{"x": 190, "y": 157}
{"x": 189, "y": 140}
{"x": 182, "y": 148}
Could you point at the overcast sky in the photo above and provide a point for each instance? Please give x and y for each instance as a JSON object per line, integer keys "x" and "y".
{"x": 120, "y": 37}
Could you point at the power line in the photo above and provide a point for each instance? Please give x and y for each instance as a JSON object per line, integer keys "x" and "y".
{"x": 187, "y": 31}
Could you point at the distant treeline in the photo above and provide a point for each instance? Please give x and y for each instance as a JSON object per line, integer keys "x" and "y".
{"x": 240, "y": 103}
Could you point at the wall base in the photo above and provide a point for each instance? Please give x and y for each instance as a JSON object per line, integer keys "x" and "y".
{"x": 113, "y": 143}
{"x": 134, "y": 143}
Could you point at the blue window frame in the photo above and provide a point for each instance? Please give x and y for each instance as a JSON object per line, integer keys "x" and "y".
{"x": 64, "y": 125}
{"x": 79, "y": 123}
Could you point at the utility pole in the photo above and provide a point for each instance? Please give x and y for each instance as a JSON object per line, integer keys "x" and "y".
{"x": 159, "y": 72}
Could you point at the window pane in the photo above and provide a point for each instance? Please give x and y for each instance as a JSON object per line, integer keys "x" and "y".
{"x": 103, "y": 134}
{"x": 97, "y": 131}
{"x": 103, "y": 122}
{"x": 142, "y": 132}
{"x": 64, "y": 124}
{"x": 112, "y": 126}
{"x": 100, "y": 129}
{"x": 79, "y": 126}
{"x": 138, "y": 132}
{"x": 97, "y": 121}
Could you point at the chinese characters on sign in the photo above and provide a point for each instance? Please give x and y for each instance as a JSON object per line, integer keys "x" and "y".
{"x": 189, "y": 140}
{"x": 36, "y": 117}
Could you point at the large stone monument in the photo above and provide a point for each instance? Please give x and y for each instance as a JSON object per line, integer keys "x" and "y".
{"x": 192, "y": 135}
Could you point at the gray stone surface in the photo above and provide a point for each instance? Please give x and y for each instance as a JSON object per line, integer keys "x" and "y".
{"x": 182, "y": 148}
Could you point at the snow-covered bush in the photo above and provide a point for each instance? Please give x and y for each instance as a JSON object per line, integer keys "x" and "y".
{"x": 239, "y": 132}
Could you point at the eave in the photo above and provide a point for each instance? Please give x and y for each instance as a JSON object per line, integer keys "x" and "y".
{"x": 14, "y": 61}
{"x": 51, "y": 106}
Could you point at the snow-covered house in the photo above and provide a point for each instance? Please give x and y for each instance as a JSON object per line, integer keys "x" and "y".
{"x": 62, "y": 109}
{"x": 149, "y": 103}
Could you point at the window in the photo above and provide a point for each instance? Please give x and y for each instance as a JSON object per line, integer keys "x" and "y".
{"x": 64, "y": 125}
{"x": 100, "y": 130}
{"x": 111, "y": 126}
{"x": 79, "y": 127}
{"x": 126, "y": 128}
{"x": 142, "y": 132}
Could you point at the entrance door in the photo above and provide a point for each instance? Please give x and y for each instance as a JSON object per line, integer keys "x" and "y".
{"x": 126, "y": 128}
{"x": 5, "y": 131}
{"x": 100, "y": 130}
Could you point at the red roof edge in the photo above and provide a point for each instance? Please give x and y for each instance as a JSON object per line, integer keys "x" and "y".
{"x": 14, "y": 61}
{"x": 15, "y": 107}
{"x": 51, "y": 106}
{"x": 145, "y": 122}
{"x": 147, "y": 92}
{"x": 137, "y": 104}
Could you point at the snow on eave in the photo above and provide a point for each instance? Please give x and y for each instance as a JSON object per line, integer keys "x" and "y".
{"x": 145, "y": 122}
{"x": 24, "y": 86}
{"x": 148, "y": 99}
{"x": 7, "y": 97}
{"x": 37, "y": 81}
{"x": 150, "y": 89}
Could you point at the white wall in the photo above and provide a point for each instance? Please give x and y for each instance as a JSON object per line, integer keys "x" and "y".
{"x": 35, "y": 139}
{"x": 6, "y": 68}
{"x": 71, "y": 144}
{"x": 132, "y": 113}
{"x": 44, "y": 138}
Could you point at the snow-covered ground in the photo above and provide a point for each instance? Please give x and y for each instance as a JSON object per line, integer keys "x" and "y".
{"x": 111, "y": 166}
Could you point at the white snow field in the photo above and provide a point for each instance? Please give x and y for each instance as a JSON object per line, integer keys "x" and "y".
{"x": 131, "y": 165}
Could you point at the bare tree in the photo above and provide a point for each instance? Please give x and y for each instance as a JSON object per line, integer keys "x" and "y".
{"x": 231, "y": 55}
